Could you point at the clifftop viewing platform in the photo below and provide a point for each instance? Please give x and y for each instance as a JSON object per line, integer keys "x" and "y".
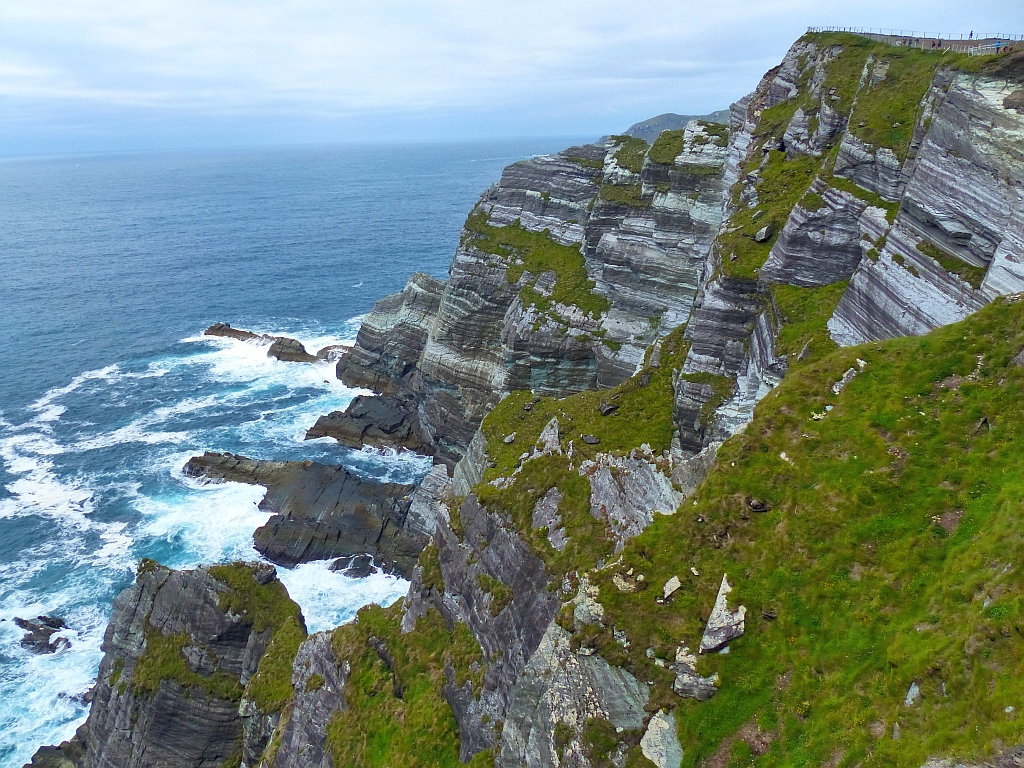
{"x": 975, "y": 44}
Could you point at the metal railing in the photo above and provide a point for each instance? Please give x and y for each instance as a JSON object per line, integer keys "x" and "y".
{"x": 912, "y": 34}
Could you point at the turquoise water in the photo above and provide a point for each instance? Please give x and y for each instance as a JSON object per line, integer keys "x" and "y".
{"x": 110, "y": 268}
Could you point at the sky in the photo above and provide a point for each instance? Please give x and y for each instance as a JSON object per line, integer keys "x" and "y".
{"x": 112, "y": 75}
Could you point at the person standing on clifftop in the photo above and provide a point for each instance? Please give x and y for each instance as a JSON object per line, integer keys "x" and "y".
{"x": 971, "y": 36}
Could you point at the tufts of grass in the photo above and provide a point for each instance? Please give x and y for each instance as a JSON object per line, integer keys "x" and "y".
{"x": 889, "y": 109}
{"x": 812, "y": 202}
{"x": 265, "y": 607}
{"x": 271, "y": 687}
{"x": 967, "y": 272}
{"x": 501, "y": 594}
{"x": 631, "y": 152}
{"x": 805, "y": 313}
{"x": 666, "y": 147}
{"x": 163, "y": 659}
{"x": 377, "y": 729}
{"x": 871, "y": 198}
{"x": 586, "y": 162}
{"x": 630, "y": 195}
{"x": 536, "y": 252}
{"x": 783, "y": 182}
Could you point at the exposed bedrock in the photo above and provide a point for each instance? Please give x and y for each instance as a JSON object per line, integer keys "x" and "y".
{"x": 818, "y": 247}
{"x": 642, "y": 233}
{"x": 489, "y": 548}
{"x": 322, "y": 512}
{"x": 318, "y": 681}
{"x": 179, "y": 653}
{"x": 902, "y": 293}
{"x": 377, "y": 421}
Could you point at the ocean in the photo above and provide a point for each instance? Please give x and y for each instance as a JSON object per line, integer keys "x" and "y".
{"x": 111, "y": 266}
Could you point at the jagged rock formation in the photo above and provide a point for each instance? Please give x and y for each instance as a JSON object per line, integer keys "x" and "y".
{"x": 182, "y": 656}
{"x": 323, "y": 512}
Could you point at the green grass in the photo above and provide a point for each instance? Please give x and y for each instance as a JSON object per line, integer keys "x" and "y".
{"x": 631, "y": 152}
{"x": 538, "y": 253}
{"x": 644, "y": 416}
{"x": 870, "y": 593}
{"x": 805, "y": 313}
{"x": 871, "y": 198}
{"x": 586, "y": 162}
{"x": 163, "y": 660}
{"x": 501, "y": 594}
{"x": 717, "y": 133}
{"x": 812, "y": 202}
{"x": 783, "y": 183}
{"x": 667, "y": 147}
{"x": 890, "y": 108}
{"x": 271, "y": 686}
{"x": 625, "y": 194}
{"x": 266, "y": 607}
{"x": 376, "y": 729}
{"x": 968, "y": 272}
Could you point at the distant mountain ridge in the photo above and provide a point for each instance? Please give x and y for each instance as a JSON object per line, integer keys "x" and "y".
{"x": 650, "y": 129}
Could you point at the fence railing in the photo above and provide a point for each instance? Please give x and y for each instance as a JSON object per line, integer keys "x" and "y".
{"x": 908, "y": 33}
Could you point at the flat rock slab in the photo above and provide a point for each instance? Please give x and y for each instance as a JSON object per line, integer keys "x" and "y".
{"x": 323, "y": 512}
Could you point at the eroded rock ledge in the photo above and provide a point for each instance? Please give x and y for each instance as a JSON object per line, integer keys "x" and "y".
{"x": 323, "y": 512}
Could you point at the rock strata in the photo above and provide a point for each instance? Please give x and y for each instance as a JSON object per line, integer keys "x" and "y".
{"x": 179, "y": 654}
{"x": 322, "y": 512}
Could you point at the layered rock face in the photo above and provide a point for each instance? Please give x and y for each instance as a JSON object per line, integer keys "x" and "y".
{"x": 961, "y": 204}
{"x": 322, "y": 512}
{"x": 180, "y": 653}
{"x": 518, "y": 312}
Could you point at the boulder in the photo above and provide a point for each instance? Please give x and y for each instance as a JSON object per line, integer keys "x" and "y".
{"x": 290, "y": 351}
{"x": 723, "y": 625}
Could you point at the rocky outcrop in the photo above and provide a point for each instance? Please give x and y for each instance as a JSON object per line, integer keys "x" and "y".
{"x": 323, "y": 512}
{"x": 224, "y": 330}
{"x": 318, "y": 680}
{"x": 290, "y": 351}
{"x": 820, "y": 246}
{"x": 962, "y": 201}
{"x": 627, "y": 491}
{"x": 377, "y": 421}
{"x": 179, "y": 654}
{"x": 39, "y": 634}
{"x": 564, "y": 687}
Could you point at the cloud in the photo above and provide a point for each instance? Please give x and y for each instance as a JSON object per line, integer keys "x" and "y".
{"x": 569, "y": 64}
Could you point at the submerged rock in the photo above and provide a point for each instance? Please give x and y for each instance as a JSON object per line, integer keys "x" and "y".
{"x": 38, "y": 634}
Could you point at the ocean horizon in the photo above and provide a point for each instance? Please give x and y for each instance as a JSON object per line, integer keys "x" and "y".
{"x": 113, "y": 264}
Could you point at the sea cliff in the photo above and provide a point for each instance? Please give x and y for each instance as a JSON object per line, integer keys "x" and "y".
{"x": 726, "y": 432}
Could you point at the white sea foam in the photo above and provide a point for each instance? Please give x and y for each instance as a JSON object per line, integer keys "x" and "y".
{"x": 185, "y": 521}
{"x": 328, "y": 598}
